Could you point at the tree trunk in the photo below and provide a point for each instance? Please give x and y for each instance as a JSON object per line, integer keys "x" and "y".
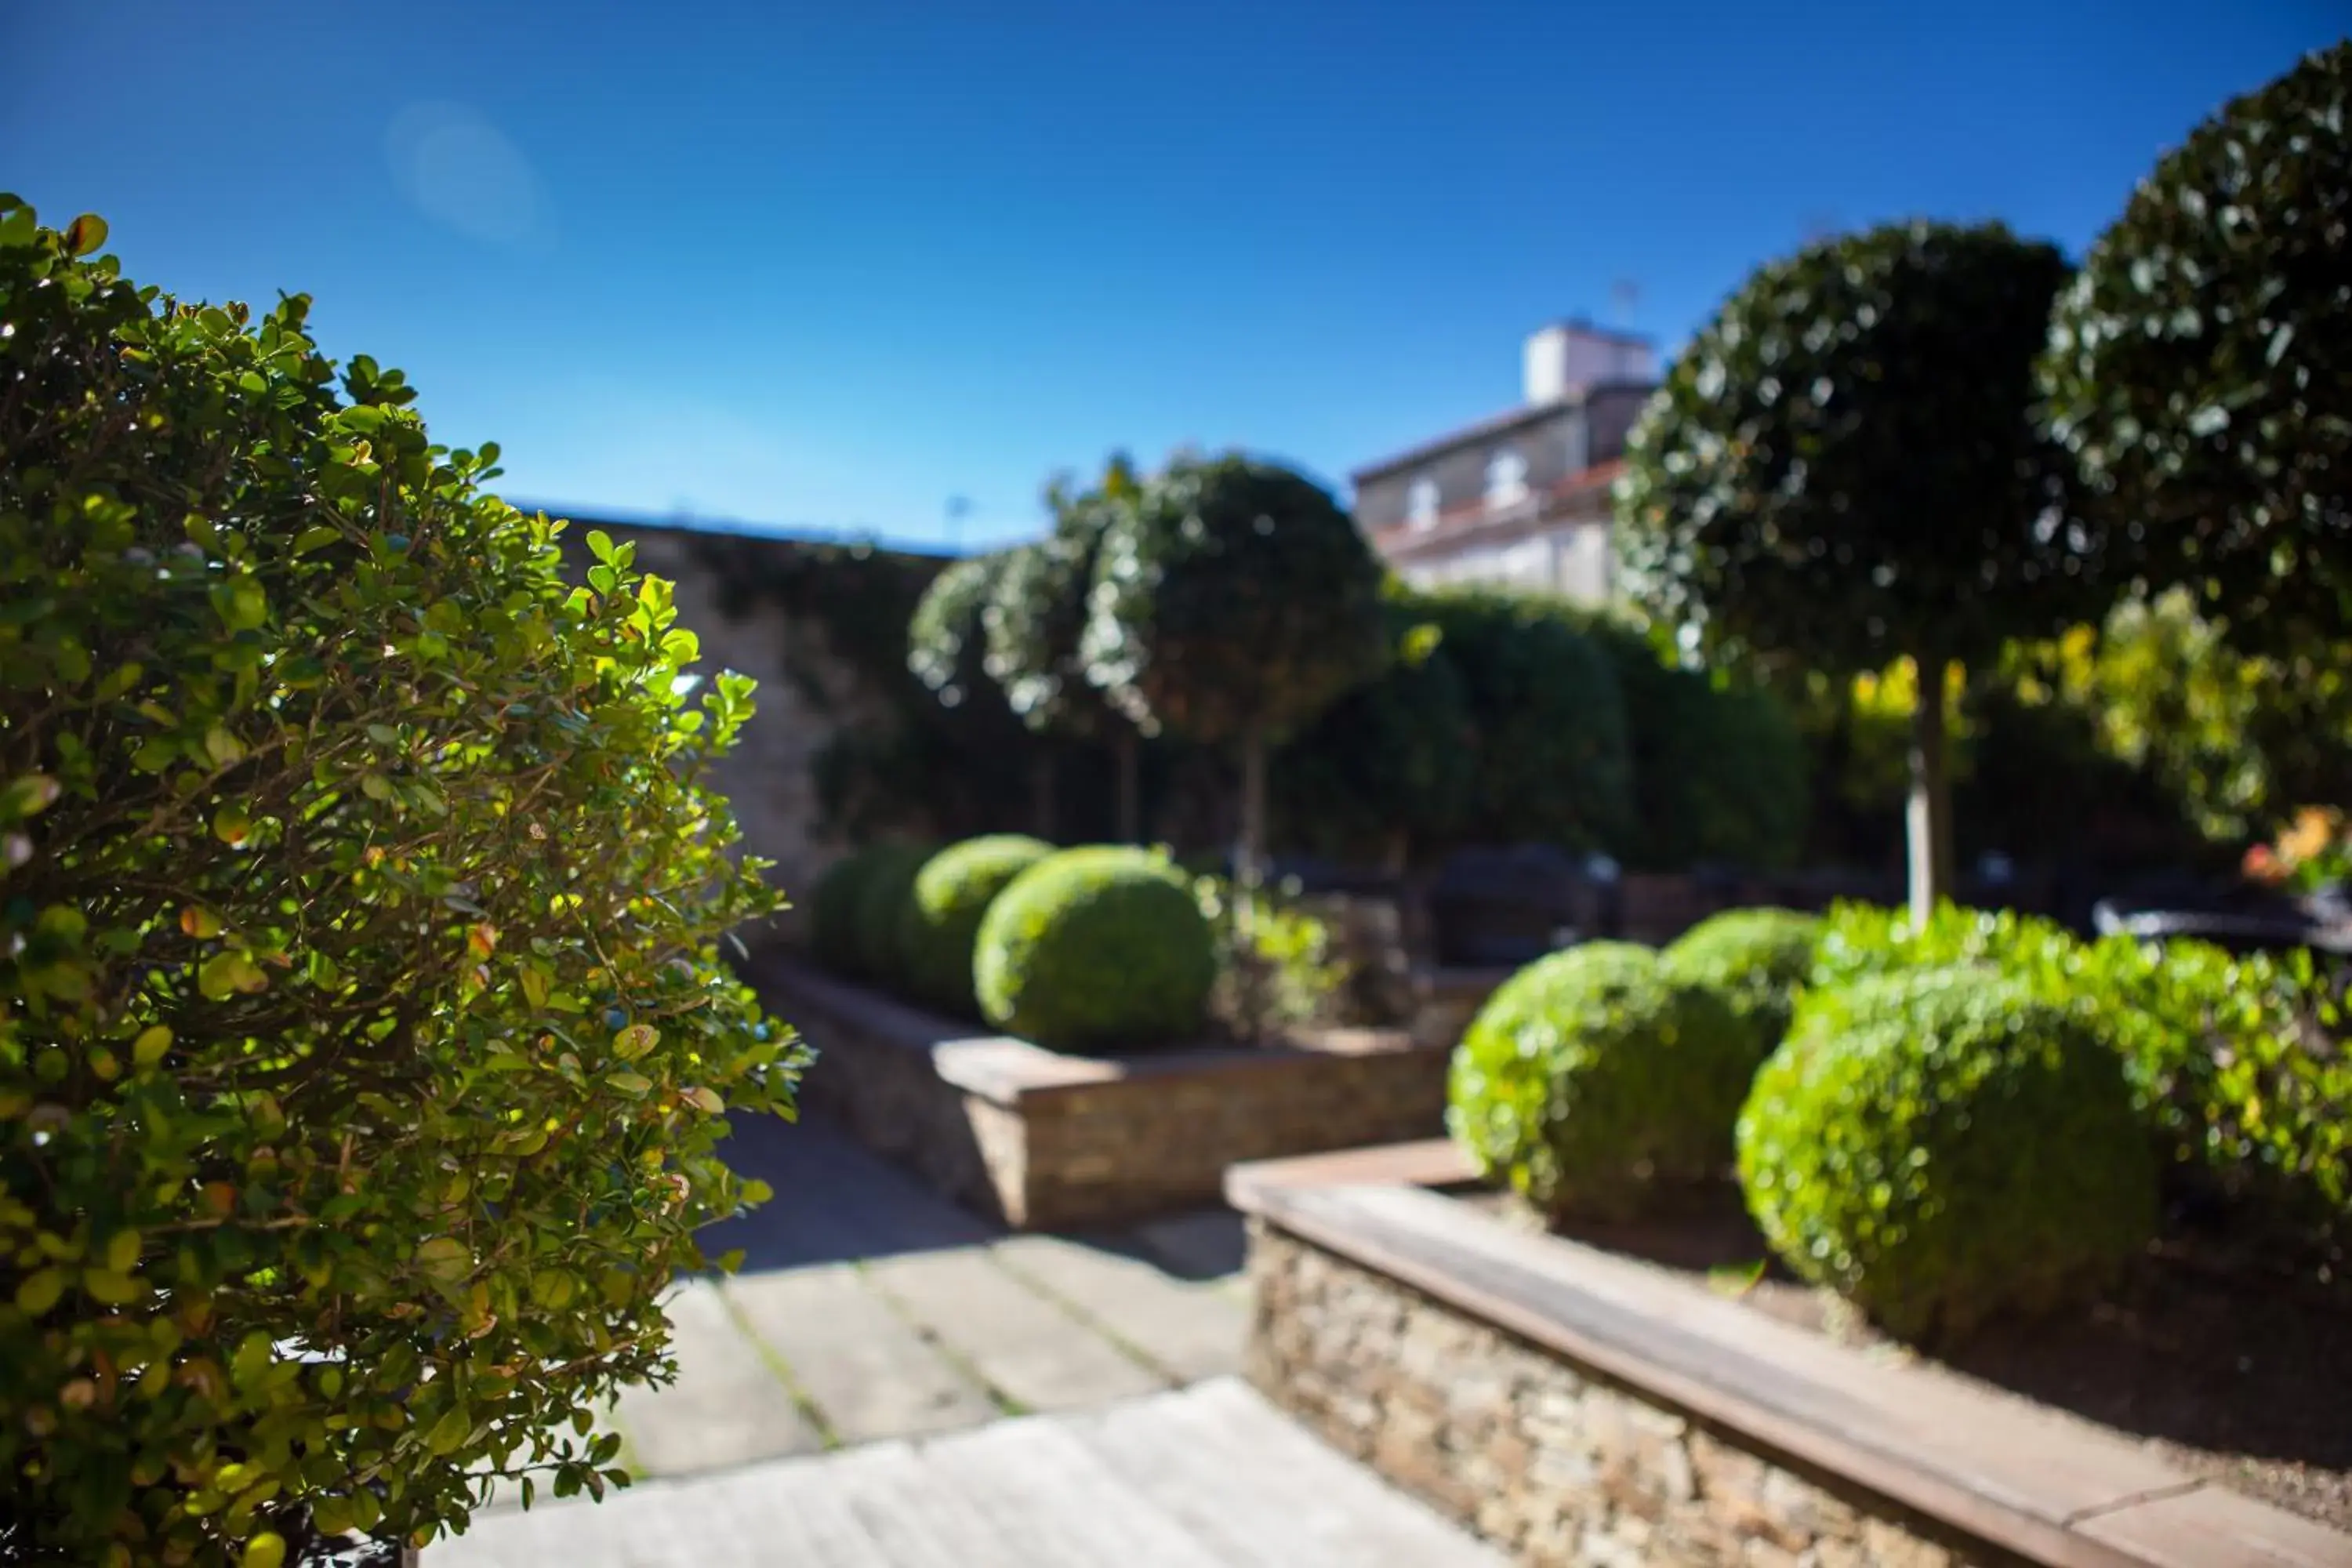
{"x": 1128, "y": 751}
{"x": 1249, "y": 855}
{"x": 1929, "y": 816}
{"x": 1041, "y": 793}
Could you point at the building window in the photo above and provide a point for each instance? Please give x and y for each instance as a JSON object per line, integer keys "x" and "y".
{"x": 1420, "y": 503}
{"x": 1506, "y": 478}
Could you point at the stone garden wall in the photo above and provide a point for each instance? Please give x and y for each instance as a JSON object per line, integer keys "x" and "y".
{"x": 1556, "y": 1465}
{"x": 1578, "y": 1406}
{"x": 768, "y": 777}
{"x": 1045, "y": 1140}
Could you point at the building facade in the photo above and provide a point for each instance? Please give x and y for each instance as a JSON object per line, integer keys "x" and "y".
{"x": 1520, "y": 500}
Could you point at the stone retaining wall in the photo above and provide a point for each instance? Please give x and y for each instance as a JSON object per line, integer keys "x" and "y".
{"x": 1044, "y": 1140}
{"x": 1555, "y": 1466}
{"x": 1575, "y": 1406}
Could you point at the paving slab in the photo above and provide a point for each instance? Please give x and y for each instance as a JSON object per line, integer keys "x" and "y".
{"x": 1023, "y": 1345}
{"x": 1188, "y": 1331}
{"x": 1035, "y": 1469}
{"x": 1098, "y": 1490}
{"x": 866, "y": 1371}
{"x": 728, "y": 1406}
{"x": 1261, "y": 1491}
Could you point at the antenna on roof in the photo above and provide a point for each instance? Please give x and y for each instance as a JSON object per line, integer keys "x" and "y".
{"x": 958, "y": 510}
{"x": 1623, "y": 296}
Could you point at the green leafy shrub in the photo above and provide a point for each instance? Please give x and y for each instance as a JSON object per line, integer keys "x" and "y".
{"x": 1592, "y": 1078}
{"x": 1757, "y": 960}
{"x": 833, "y": 911}
{"x": 2236, "y": 1064}
{"x": 364, "y": 1040}
{"x": 1942, "y": 1146}
{"x": 1096, "y": 946}
{"x": 1719, "y": 767}
{"x": 1554, "y": 764}
{"x": 2238, "y": 740}
{"x": 1386, "y": 775}
{"x": 885, "y": 895}
{"x": 951, "y": 892}
{"x": 1275, "y": 971}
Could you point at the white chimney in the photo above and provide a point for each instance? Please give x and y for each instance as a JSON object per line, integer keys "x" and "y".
{"x": 1563, "y": 361}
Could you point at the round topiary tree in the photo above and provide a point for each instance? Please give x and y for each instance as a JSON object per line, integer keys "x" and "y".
{"x": 950, "y": 894}
{"x": 1756, "y": 960}
{"x": 364, "y": 1045}
{"x": 2200, "y": 367}
{"x": 1592, "y": 1079}
{"x": 947, "y": 651}
{"x": 1097, "y": 946}
{"x": 1232, "y": 602}
{"x": 1035, "y": 622}
{"x": 1941, "y": 1145}
{"x": 947, "y": 645}
{"x": 1843, "y": 470}
{"x": 885, "y": 894}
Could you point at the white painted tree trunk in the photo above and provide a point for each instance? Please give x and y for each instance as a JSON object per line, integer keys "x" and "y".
{"x": 1929, "y": 818}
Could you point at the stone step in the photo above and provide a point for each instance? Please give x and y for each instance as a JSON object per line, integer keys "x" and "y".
{"x": 1202, "y": 1477}
{"x": 1263, "y": 1493}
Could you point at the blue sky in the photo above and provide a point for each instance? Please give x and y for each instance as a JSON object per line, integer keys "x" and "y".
{"x": 825, "y": 266}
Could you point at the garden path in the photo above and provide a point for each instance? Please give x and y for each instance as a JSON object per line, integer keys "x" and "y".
{"x": 891, "y": 1381}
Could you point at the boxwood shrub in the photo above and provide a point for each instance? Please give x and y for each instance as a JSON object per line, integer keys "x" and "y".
{"x": 2237, "y": 1064}
{"x": 1096, "y": 946}
{"x": 833, "y": 911}
{"x": 1941, "y": 1145}
{"x": 1593, "y": 1078}
{"x": 364, "y": 1040}
{"x": 941, "y": 923}
{"x": 885, "y": 891}
{"x": 1757, "y": 960}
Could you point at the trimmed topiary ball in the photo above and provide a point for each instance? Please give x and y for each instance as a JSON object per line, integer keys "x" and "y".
{"x": 1593, "y": 1078}
{"x": 1941, "y": 1145}
{"x": 833, "y": 911}
{"x": 1756, "y": 960}
{"x": 885, "y": 892}
{"x": 1098, "y": 946}
{"x": 941, "y": 921}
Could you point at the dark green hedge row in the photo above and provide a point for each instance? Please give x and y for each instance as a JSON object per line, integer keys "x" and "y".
{"x": 1510, "y": 718}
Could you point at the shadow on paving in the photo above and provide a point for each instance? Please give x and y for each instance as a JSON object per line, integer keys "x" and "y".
{"x": 837, "y": 1202}
{"x": 834, "y": 1201}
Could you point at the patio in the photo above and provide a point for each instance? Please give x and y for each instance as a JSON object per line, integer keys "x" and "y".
{"x": 892, "y": 1380}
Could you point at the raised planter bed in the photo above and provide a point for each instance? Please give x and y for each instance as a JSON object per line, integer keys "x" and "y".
{"x": 1044, "y": 1141}
{"x": 1576, "y": 1406}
